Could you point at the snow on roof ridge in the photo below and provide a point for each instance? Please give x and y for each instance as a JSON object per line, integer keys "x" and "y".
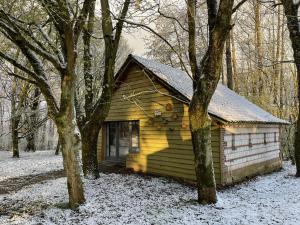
{"x": 225, "y": 103}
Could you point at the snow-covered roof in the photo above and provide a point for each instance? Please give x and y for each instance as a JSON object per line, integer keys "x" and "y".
{"x": 225, "y": 103}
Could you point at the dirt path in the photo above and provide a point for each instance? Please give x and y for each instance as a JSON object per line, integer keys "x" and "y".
{"x": 17, "y": 183}
{"x": 10, "y": 207}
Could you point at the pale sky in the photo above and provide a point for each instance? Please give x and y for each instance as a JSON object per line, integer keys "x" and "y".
{"x": 136, "y": 41}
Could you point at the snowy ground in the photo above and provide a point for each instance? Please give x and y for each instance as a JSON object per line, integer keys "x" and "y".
{"x": 28, "y": 163}
{"x": 133, "y": 199}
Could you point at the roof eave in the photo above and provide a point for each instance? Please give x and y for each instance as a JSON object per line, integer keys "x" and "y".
{"x": 131, "y": 59}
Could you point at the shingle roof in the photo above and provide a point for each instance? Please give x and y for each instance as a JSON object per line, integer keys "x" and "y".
{"x": 225, "y": 103}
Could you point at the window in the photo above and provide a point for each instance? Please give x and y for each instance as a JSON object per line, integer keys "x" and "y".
{"x": 265, "y": 138}
{"x": 135, "y": 136}
{"x": 122, "y": 138}
{"x": 250, "y": 140}
{"x": 233, "y": 142}
{"x": 275, "y": 137}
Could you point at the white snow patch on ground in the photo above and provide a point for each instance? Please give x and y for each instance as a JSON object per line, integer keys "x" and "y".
{"x": 133, "y": 199}
{"x": 29, "y": 163}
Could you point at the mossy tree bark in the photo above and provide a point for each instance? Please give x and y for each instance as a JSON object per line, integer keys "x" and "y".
{"x": 206, "y": 77}
{"x": 291, "y": 9}
{"x": 89, "y": 151}
{"x": 32, "y": 120}
{"x": 60, "y": 56}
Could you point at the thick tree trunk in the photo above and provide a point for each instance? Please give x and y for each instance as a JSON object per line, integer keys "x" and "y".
{"x": 89, "y": 151}
{"x": 96, "y": 113}
{"x": 30, "y": 147}
{"x": 70, "y": 142}
{"x": 200, "y": 124}
{"x": 206, "y": 79}
{"x": 70, "y": 145}
{"x": 33, "y": 118}
{"x": 291, "y": 12}
{"x": 66, "y": 125}
{"x": 297, "y": 134}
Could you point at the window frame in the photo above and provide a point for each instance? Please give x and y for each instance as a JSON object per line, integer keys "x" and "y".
{"x": 250, "y": 140}
{"x": 265, "y": 139}
{"x": 117, "y": 134}
{"x": 233, "y": 141}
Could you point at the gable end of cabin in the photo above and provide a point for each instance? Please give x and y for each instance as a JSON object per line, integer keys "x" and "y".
{"x": 162, "y": 144}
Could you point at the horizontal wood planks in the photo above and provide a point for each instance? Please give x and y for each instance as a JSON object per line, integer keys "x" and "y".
{"x": 165, "y": 141}
{"x": 251, "y": 145}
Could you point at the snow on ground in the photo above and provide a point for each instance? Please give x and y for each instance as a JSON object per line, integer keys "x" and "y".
{"x": 133, "y": 199}
{"x": 29, "y": 163}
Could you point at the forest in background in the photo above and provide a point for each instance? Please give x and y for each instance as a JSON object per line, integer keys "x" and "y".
{"x": 257, "y": 64}
{"x": 58, "y": 61}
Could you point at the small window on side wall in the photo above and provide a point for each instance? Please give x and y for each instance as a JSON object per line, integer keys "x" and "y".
{"x": 135, "y": 136}
{"x": 265, "y": 138}
{"x": 233, "y": 142}
{"x": 275, "y": 137}
{"x": 250, "y": 140}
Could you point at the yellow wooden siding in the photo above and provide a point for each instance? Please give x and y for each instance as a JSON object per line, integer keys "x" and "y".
{"x": 165, "y": 142}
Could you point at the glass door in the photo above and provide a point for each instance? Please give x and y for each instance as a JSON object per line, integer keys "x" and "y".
{"x": 122, "y": 138}
{"x": 111, "y": 151}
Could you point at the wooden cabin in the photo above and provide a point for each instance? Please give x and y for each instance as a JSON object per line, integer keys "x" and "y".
{"x": 147, "y": 128}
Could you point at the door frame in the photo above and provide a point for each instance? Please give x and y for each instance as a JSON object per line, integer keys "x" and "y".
{"x": 117, "y": 158}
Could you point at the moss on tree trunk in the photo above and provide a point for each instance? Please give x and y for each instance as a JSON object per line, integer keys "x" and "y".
{"x": 200, "y": 125}
{"x": 89, "y": 152}
{"x": 70, "y": 145}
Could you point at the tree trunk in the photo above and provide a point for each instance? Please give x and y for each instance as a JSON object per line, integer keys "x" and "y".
{"x": 33, "y": 118}
{"x": 30, "y": 147}
{"x": 230, "y": 80}
{"x": 258, "y": 47}
{"x": 281, "y": 72}
{"x": 200, "y": 124}
{"x": 89, "y": 151}
{"x": 70, "y": 138}
{"x": 234, "y": 63}
{"x": 65, "y": 121}
{"x": 291, "y": 12}
{"x": 15, "y": 119}
{"x": 2, "y": 143}
{"x": 14, "y": 135}
{"x": 206, "y": 79}
{"x": 70, "y": 145}
{"x": 58, "y": 147}
{"x": 96, "y": 113}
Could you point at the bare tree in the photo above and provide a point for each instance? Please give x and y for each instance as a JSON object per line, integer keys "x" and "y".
{"x": 32, "y": 120}
{"x": 62, "y": 57}
{"x": 96, "y": 109}
{"x": 206, "y": 77}
{"x": 291, "y": 10}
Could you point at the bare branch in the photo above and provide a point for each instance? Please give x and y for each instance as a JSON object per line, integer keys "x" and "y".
{"x": 16, "y": 64}
{"x": 238, "y": 5}
{"x": 149, "y": 29}
{"x": 172, "y": 18}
